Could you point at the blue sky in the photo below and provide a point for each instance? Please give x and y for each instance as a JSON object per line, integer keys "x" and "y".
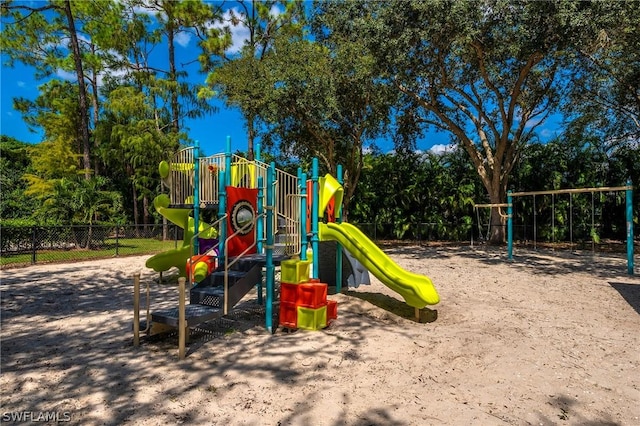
{"x": 211, "y": 131}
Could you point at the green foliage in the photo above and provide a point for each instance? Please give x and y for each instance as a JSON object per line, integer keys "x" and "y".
{"x": 76, "y": 200}
{"x": 238, "y": 77}
{"x": 329, "y": 85}
{"x": 319, "y": 99}
{"x": 436, "y": 191}
{"x": 486, "y": 72}
{"x": 15, "y": 161}
{"x": 604, "y": 74}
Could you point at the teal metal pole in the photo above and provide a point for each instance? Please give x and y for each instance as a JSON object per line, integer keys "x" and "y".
{"x": 196, "y": 197}
{"x": 510, "y": 225}
{"x": 222, "y": 208}
{"x": 227, "y": 162}
{"x": 629, "y": 193}
{"x": 302, "y": 179}
{"x": 260, "y": 223}
{"x": 258, "y": 152}
{"x": 260, "y": 231}
{"x": 338, "y": 212}
{"x": 270, "y": 268}
{"x": 315, "y": 246}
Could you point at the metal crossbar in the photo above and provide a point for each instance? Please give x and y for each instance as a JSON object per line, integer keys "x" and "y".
{"x": 573, "y": 191}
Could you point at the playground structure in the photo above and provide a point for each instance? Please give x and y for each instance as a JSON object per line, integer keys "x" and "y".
{"x": 506, "y": 210}
{"x": 266, "y": 219}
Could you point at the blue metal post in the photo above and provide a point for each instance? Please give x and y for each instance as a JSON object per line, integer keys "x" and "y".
{"x": 222, "y": 208}
{"x": 302, "y": 179}
{"x": 509, "y": 225}
{"x": 629, "y": 193}
{"x": 227, "y": 162}
{"x": 258, "y": 152}
{"x": 196, "y": 197}
{"x": 314, "y": 219}
{"x": 270, "y": 268}
{"x": 338, "y": 213}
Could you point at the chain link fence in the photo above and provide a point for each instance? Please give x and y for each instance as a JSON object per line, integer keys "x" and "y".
{"x": 29, "y": 245}
{"x": 41, "y": 244}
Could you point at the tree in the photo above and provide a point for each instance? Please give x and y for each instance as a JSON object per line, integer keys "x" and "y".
{"x": 315, "y": 98}
{"x": 134, "y": 143}
{"x": 145, "y": 101}
{"x": 486, "y": 72}
{"x": 75, "y": 200}
{"x": 15, "y": 161}
{"x": 322, "y": 100}
{"x": 175, "y": 18}
{"x": 55, "y": 111}
{"x": 46, "y": 37}
{"x": 233, "y": 74}
{"x": 604, "y": 90}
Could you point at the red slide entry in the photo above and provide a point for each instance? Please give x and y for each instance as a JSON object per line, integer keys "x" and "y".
{"x": 241, "y": 214}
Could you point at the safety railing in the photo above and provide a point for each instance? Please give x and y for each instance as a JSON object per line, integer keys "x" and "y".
{"x": 243, "y": 173}
{"x": 208, "y": 182}
{"x": 181, "y": 174}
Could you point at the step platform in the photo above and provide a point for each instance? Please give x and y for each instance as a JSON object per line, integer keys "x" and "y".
{"x": 194, "y": 314}
{"x": 209, "y": 296}
{"x": 262, "y": 259}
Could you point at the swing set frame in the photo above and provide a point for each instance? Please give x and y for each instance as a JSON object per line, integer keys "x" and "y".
{"x": 628, "y": 189}
{"x": 476, "y": 208}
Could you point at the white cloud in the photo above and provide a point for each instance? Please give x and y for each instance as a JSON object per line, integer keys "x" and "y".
{"x": 275, "y": 11}
{"x": 66, "y": 75}
{"x": 546, "y": 134}
{"x": 441, "y": 148}
{"x": 146, "y": 8}
{"x": 72, "y": 76}
{"x": 239, "y": 32}
{"x": 183, "y": 39}
{"x": 21, "y": 84}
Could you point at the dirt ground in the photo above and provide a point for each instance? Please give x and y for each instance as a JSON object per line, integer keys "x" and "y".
{"x": 548, "y": 339}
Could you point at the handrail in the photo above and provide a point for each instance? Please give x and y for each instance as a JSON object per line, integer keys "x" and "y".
{"x": 227, "y": 265}
{"x": 292, "y": 225}
{"x": 199, "y": 256}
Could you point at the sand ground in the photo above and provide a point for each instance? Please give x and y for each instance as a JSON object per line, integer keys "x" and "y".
{"x": 543, "y": 340}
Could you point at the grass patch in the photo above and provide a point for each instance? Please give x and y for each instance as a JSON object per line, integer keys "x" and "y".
{"x": 109, "y": 248}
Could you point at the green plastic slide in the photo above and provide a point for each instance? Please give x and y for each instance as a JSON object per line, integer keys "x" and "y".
{"x": 417, "y": 290}
{"x": 177, "y": 257}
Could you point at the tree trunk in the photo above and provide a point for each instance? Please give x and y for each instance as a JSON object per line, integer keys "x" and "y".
{"x": 498, "y": 225}
{"x": 498, "y": 220}
{"x": 95, "y": 106}
{"x": 136, "y": 215}
{"x": 175, "y": 114}
{"x": 251, "y": 134}
{"x": 82, "y": 95}
{"x": 145, "y": 212}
